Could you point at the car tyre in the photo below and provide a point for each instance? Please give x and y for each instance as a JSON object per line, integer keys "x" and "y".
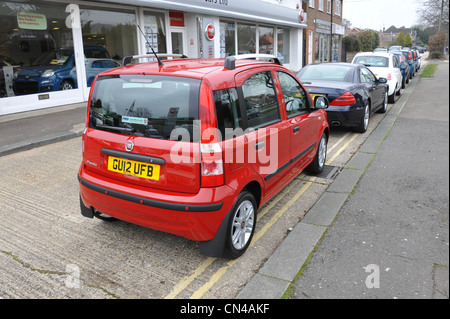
{"x": 385, "y": 103}
{"x": 66, "y": 85}
{"x": 392, "y": 96}
{"x": 241, "y": 225}
{"x": 318, "y": 164}
{"x": 362, "y": 128}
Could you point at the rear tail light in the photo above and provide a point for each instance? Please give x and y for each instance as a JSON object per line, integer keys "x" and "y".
{"x": 389, "y": 77}
{"x": 212, "y": 165}
{"x": 210, "y": 149}
{"x": 345, "y": 99}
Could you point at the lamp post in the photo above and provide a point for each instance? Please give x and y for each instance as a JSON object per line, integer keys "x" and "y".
{"x": 331, "y": 32}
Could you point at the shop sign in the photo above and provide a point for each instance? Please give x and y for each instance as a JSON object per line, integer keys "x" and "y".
{"x": 302, "y": 16}
{"x": 176, "y": 18}
{"x": 210, "y": 31}
{"x": 31, "y": 21}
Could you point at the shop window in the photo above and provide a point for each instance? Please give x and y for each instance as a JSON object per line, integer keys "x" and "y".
{"x": 266, "y": 44}
{"x": 108, "y": 34}
{"x": 246, "y": 38}
{"x": 155, "y": 31}
{"x": 283, "y": 40}
{"x": 36, "y": 48}
{"x": 227, "y": 39}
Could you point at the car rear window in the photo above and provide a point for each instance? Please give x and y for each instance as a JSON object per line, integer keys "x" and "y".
{"x": 145, "y": 105}
{"x": 326, "y": 72}
{"x": 377, "y": 61}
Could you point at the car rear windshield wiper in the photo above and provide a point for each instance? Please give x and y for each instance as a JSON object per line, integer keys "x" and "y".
{"x": 115, "y": 128}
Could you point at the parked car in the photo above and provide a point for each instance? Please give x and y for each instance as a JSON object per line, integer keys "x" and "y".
{"x": 384, "y": 65}
{"x": 404, "y": 67}
{"x": 411, "y": 61}
{"x": 51, "y": 71}
{"x": 395, "y": 48}
{"x": 94, "y": 67}
{"x": 418, "y": 61}
{"x": 353, "y": 91}
{"x": 174, "y": 147}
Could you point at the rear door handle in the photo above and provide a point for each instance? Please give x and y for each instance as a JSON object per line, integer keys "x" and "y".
{"x": 296, "y": 129}
{"x": 260, "y": 145}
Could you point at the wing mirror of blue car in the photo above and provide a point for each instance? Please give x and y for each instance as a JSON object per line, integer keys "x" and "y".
{"x": 382, "y": 80}
{"x": 321, "y": 102}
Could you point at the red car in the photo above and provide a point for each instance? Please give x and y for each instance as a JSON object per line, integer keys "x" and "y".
{"x": 194, "y": 147}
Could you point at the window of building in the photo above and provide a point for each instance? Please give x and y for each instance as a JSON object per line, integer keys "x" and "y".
{"x": 322, "y": 46}
{"x": 321, "y": 5}
{"x": 283, "y": 40}
{"x": 266, "y": 37}
{"x": 337, "y": 7}
{"x": 112, "y": 31}
{"x": 329, "y": 6}
{"x": 246, "y": 38}
{"x": 227, "y": 38}
{"x": 36, "y": 48}
{"x": 311, "y": 3}
{"x": 155, "y": 32}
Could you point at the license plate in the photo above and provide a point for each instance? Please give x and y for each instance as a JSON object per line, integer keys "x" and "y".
{"x": 134, "y": 168}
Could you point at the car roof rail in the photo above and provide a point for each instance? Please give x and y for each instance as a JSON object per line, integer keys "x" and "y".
{"x": 230, "y": 61}
{"x": 127, "y": 60}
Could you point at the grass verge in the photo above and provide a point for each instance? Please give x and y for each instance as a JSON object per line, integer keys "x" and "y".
{"x": 429, "y": 70}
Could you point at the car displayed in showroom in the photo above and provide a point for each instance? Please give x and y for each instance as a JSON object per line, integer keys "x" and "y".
{"x": 51, "y": 71}
{"x": 353, "y": 91}
{"x": 194, "y": 147}
{"x": 384, "y": 65}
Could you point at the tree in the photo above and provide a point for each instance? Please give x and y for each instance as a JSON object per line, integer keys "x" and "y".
{"x": 401, "y": 39}
{"x": 434, "y": 13}
{"x": 437, "y": 44}
{"x": 408, "y": 41}
{"x": 368, "y": 40}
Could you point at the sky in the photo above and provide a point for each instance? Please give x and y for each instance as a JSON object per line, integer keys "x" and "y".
{"x": 376, "y": 14}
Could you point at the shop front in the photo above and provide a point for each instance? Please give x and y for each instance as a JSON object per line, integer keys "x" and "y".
{"x": 50, "y": 51}
{"x": 322, "y": 44}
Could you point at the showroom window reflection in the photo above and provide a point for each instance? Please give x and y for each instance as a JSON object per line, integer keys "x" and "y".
{"x": 30, "y": 30}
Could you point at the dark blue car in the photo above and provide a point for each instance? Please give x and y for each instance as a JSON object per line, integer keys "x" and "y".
{"x": 51, "y": 71}
{"x": 405, "y": 69}
{"x": 411, "y": 61}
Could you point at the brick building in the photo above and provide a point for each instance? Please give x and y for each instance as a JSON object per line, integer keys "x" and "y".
{"x": 324, "y": 23}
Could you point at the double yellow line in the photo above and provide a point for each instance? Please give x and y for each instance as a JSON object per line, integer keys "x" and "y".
{"x": 178, "y": 288}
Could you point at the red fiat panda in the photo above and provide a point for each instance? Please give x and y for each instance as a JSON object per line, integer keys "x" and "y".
{"x": 194, "y": 147}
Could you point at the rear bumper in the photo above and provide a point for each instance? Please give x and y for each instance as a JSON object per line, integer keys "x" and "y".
{"x": 193, "y": 216}
{"x": 348, "y": 116}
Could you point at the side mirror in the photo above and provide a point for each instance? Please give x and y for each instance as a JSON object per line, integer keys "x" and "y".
{"x": 321, "y": 102}
{"x": 382, "y": 80}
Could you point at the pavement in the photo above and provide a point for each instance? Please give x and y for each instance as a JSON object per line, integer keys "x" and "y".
{"x": 379, "y": 231}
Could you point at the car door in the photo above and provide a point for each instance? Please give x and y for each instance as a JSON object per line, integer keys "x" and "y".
{"x": 396, "y": 70}
{"x": 303, "y": 123}
{"x": 267, "y": 135}
{"x": 376, "y": 91}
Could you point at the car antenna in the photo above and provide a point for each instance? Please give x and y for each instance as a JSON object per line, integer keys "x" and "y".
{"x": 154, "y": 53}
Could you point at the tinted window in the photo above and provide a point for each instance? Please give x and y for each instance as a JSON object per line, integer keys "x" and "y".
{"x": 145, "y": 105}
{"x": 228, "y": 112}
{"x": 260, "y": 100}
{"x": 326, "y": 72}
{"x": 295, "y": 98}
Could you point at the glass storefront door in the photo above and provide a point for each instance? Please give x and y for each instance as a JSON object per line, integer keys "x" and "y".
{"x": 177, "y": 38}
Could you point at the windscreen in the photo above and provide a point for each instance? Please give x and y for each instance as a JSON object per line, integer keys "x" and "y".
{"x": 326, "y": 72}
{"x": 376, "y": 61}
{"x": 145, "y": 105}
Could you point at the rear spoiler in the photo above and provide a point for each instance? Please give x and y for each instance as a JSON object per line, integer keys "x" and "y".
{"x": 230, "y": 61}
{"x": 127, "y": 60}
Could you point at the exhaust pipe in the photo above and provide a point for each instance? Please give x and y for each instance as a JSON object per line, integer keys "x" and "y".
{"x": 336, "y": 123}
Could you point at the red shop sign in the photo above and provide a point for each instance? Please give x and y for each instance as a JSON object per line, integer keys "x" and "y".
{"x": 176, "y": 18}
{"x": 210, "y": 32}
